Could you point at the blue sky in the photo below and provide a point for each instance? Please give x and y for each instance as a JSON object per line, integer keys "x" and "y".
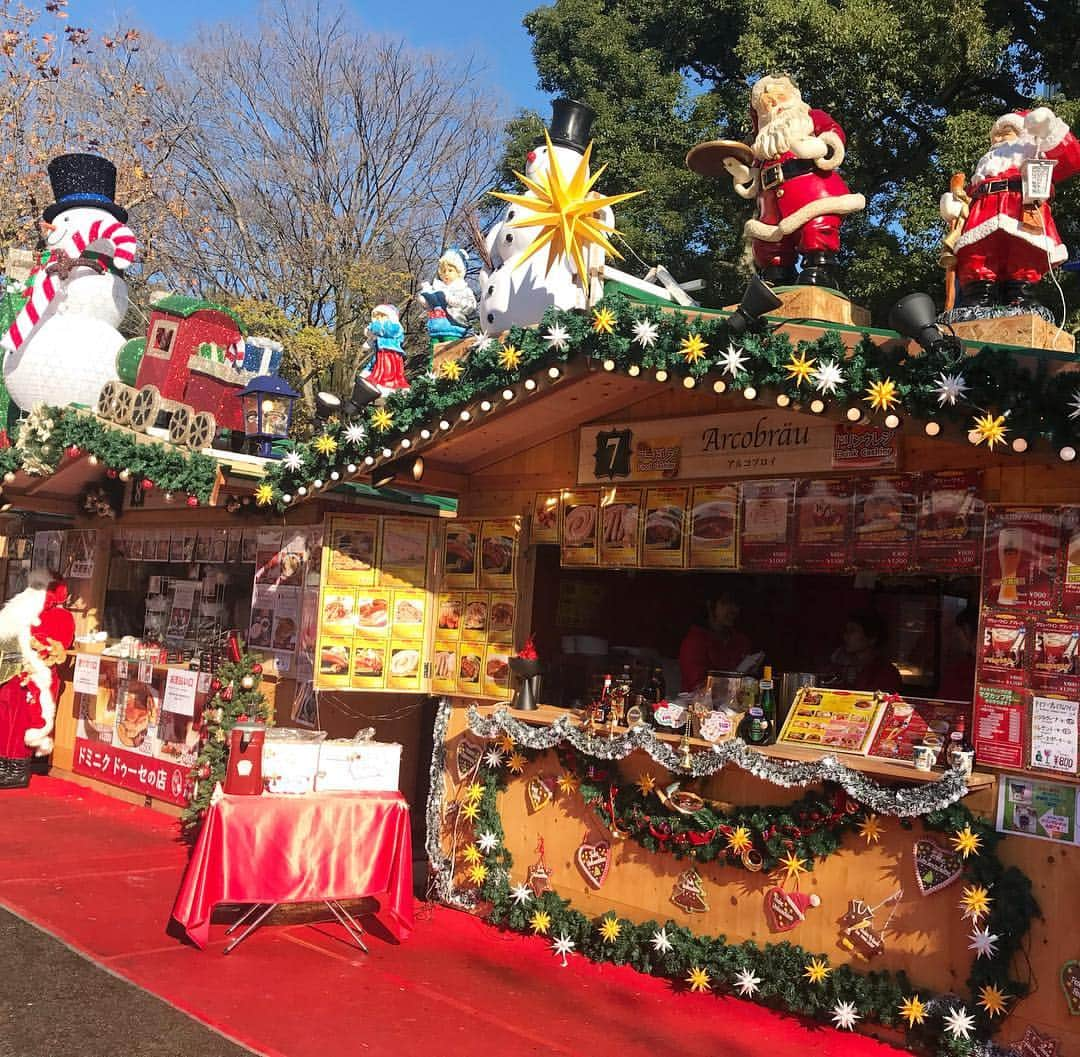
{"x": 491, "y": 30}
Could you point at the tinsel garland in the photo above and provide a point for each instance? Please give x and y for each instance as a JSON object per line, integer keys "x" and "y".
{"x": 1038, "y": 406}
{"x": 40, "y": 452}
{"x": 876, "y": 995}
{"x": 883, "y": 800}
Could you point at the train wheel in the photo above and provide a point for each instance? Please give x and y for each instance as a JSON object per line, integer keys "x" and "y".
{"x": 106, "y": 397}
{"x": 122, "y": 403}
{"x": 203, "y": 429}
{"x": 180, "y": 425}
{"x": 145, "y": 408}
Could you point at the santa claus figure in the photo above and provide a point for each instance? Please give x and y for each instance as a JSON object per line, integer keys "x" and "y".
{"x": 801, "y": 197}
{"x": 1006, "y": 243}
{"x": 35, "y": 633}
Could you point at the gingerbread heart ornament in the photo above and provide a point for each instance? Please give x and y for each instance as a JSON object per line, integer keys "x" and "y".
{"x": 784, "y": 910}
{"x": 1070, "y": 984}
{"x": 594, "y": 861}
{"x": 467, "y": 757}
{"x": 538, "y": 793}
{"x": 935, "y": 867}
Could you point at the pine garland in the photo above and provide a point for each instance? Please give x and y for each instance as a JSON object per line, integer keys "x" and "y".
{"x": 876, "y": 994}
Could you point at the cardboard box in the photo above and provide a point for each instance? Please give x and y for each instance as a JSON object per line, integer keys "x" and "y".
{"x": 358, "y": 766}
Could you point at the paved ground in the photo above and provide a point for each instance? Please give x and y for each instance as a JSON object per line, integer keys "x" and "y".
{"x": 56, "y": 1003}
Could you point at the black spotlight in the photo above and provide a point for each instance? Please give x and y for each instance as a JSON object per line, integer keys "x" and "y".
{"x": 915, "y": 317}
{"x": 758, "y": 300}
{"x": 330, "y": 405}
{"x": 327, "y": 405}
{"x": 363, "y": 393}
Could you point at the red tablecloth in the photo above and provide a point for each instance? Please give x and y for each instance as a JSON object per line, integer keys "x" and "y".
{"x": 300, "y": 849}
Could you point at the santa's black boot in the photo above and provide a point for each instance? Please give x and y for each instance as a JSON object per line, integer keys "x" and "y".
{"x": 1018, "y": 293}
{"x": 820, "y": 269}
{"x": 778, "y": 274}
{"x": 978, "y": 294}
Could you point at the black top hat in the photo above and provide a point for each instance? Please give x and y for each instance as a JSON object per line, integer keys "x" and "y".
{"x": 86, "y": 180}
{"x": 570, "y": 124}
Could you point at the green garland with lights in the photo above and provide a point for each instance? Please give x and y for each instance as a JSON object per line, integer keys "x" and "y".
{"x": 1034, "y": 405}
{"x": 781, "y": 968}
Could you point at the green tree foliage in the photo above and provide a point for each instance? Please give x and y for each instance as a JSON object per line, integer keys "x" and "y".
{"x": 915, "y": 84}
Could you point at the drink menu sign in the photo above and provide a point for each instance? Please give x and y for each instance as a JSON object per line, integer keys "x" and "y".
{"x": 1021, "y": 557}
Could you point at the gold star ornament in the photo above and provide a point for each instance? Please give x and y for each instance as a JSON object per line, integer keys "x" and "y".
{"x": 975, "y": 902}
{"x": 450, "y": 370}
{"x": 990, "y": 428}
{"x": 567, "y": 783}
{"x": 505, "y": 742}
{"x": 325, "y": 444}
{"x": 646, "y": 783}
{"x": 264, "y": 494}
{"x": 913, "y": 1010}
{"x": 693, "y": 348}
{"x": 799, "y": 368}
{"x": 610, "y": 929}
{"x": 603, "y": 320}
{"x": 817, "y": 972}
{"x": 478, "y": 873}
{"x": 792, "y": 866}
{"x": 381, "y": 419}
{"x": 509, "y": 358}
{"x": 472, "y": 854}
{"x": 516, "y": 763}
{"x": 966, "y": 842}
{"x": 870, "y": 829}
{"x": 474, "y": 794}
{"x": 565, "y": 208}
{"x": 540, "y": 922}
{"x": 993, "y": 999}
{"x": 698, "y": 979}
{"x": 739, "y": 840}
{"x": 882, "y": 396}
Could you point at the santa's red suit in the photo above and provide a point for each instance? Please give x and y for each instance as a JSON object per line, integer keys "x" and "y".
{"x": 38, "y": 630}
{"x": 1003, "y": 241}
{"x": 801, "y": 204}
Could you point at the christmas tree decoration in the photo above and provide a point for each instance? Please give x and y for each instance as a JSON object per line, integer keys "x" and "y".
{"x": 355, "y": 433}
{"x": 827, "y": 376}
{"x": 568, "y": 783}
{"x": 791, "y": 867}
{"x": 870, "y": 829}
{"x": 537, "y": 791}
{"x": 959, "y": 1022}
{"x": 983, "y": 943}
{"x": 505, "y": 742}
{"x": 1069, "y": 978}
{"x": 739, "y": 840}
{"x": 950, "y": 388}
{"x": 325, "y": 444}
{"x": 593, "y": 860}
{"x": 993, "y": 1000}
{"x": 292, "y": 461}
{"x": 845, "y": 1015}
{"x": 509, "y": 358}
{"x": 799, "y": 368}
{"x": 473, "y": 793}
{"x": 913, "y": 1010}
{"x": 610, "y": 928}
{"x": 381, "y": 419}
{"x": 487, "y": 842}
{"x": 557, "y": 338}
{"x": 733, "y": 361}
{"x": 478, "y": 873}
{"x": 882, "y": 396}
{"x": 515, "y": 764}
{"x": 482, "y": 342}
{"x": 660, "y": 942}
{"x": 563, "y": 946}
{"x": 975, "y": 903}
{"x": 858, "y": 932}
{"x": 817, "y": 970}
{"x": 264, "y": 494}
{"x": 493, "y": 758}
{"x": 966, "y": 842}
{"x": 688, "y": 893}
{"x": 646, "y": 783}
{"x": 1074, "y": 405}
{"x": 467, "y": 758}
{"x": 469, "y": 812}
{"x": 521, "y": 894}
{"x": 603, "y": 321}
{"x": 539, "y": 875}
{"x": 785, "y": 910}
{"x": 450, "y": 370}
{"x": 990, "y": 428}
{"x": 471, "y": 854}
{"x": 935, "y": 867}
{"x": 693, "y": 348}
{"x": 698, "y": 979}
{"x": 540, "y": 922}
{"x": 747, "y": 983}
{"x": 645, "y": 333}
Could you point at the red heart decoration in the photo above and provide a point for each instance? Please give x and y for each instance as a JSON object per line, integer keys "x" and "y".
{"x": 780, "y": 911}
{"x": 594, "y": 861}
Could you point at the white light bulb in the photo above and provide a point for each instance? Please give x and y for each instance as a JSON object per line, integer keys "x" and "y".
{"x": 443, "y": 424}
{"x": 1019, "y": 445}
{"x": 465, "y": 416}
{"x": 530, "y": 384}
{"x": 689, "y": 382}
{"x": 387, "y": 452}
{"x": 782, "y": 400}
{"x": 609, "y": 365}
{"x": 974, "y": 436}
{"x": 406, "y": 443}
{"x": 719, "y": 386}
{"x": 425, "y": 434}
{"x": 286, "y": 498}
{"x": 1068, "y": 453}
{"x": 125, "y": 475}
{"x": 817, "y": 406}
{"x": 633, "y": 370}
{"x": 318, "y": 482}
{"x": 369, "y": 460}
{"x": 853, "y": 414}
{"x": 485, "y": 405}
{"x": 508, "y": 394}
{"x": 750, "y": 393}
{"x": 892, "y": 421}
{"x": 553, "y": 373}
{"x": 301, "y": 490}
{"x": 661, "y": 375}
{"x": 334, "y": 475}
{"x": 932, "y": 428}
{"x": 351, "y": 468}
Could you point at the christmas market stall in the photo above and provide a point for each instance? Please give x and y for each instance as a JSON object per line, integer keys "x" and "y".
{"x": 755, "y": 632}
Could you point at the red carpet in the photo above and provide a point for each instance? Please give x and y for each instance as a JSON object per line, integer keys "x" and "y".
{"x": 101, "y": 875}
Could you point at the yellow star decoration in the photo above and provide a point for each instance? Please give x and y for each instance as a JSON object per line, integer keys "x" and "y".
{"x": 792, "y": 867}
{"x": 516, "y": 763}
{"x": 882, "y": 395}
{"x": 472, "y": 854}
{"x": 799, "y": 368}
{"x": 975, "y": 902}
{"x": 739, "y": 840}
{"x": 817, "y": 971}
{"x": 474, "y": 794}
{"x": 505, "y": 743}
{"x": 264, "y": 494}
{"x": 565, "y": 211}
{"x": 567, "y": 783}
{"x": 478, "y": 873}
{"x": 470, "y": 812}
{"x": 693, "y": 348}
{"x": 698, "y": 979}
{"x": 540, "y": 922}
{"x": 381, "y": 419}
{"x": 966, "y": 842}
{"x": 603, "y": 320}
{"x": 325, "y": 444}
{"x": 450, "y": 370}
{"x": 610, "y": 929}
{"x": 913, "y": 1010}
{"x": 993, "y": 999}
{"x": 991, "y": 429}
{"x": 870, "y": 829}
{"x": 509, "y": 358}
{"x": 646, "y": 783}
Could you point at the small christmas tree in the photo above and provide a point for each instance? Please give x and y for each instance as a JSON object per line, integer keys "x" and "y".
{"x": 235, "y": 698}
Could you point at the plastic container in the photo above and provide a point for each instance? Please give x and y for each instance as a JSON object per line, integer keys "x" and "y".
{"x": 290, "y": 760}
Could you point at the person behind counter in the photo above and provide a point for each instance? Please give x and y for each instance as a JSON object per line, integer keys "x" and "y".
{"x": 858, "y": 663}
{"x": 958, "y": 675}
{"x": 713, "y": 643}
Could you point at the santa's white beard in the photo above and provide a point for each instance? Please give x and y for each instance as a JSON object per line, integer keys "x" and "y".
{"x": 17, "y": 617}
{"x": 787, "y": 128}
{"x": 1002, "y": 158}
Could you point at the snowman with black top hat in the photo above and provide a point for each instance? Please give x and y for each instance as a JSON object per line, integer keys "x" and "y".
{"x": 60, "y": 348}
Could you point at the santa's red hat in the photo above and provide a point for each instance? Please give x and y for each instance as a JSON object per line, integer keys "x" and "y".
{"x": 1014, "y": 120}
{"x": 804, "y": 900}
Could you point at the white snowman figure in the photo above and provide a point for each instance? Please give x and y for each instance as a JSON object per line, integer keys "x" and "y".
{"x": 61, "y": 348}
{"x": 517, "y": 294}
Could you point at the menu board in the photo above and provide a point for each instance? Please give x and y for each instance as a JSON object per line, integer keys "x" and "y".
{"x": 580, "y": 517}
{"x": 1021, "y": 557}
{"x": 461, "y": 542}
{"x": 404, "y": 552}
{"x": 764, "y": 523}
{"x": 498, "y": 550}
{"x": 351, "y": 552}
{"x": 620, "y": 528}
{"x": 283, "y": 560}
{"x": 885, "y": 522}
{"x": 1002, "y": 652}
{"x": 713, "y": 527}
{"x": 823, "y": 524}
{"x": 950, "y": 522}
{"x": 1070, "y": 560}
{"x": 999, "y": 726}
{"x": 663, "y": 545}
{"x": 1053, "y": 733}
{"x": 842, "y": 720}
{"x": 1055, "y": 656}
{"x": 906, "y": 724}
{"x": 547, "y": 513}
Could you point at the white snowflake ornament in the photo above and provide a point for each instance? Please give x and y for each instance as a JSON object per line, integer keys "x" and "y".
{"x": 1074, "y": 405}
{"x": 355, "y": 433}
{"x": 487, "y": 842}
{"x": 557, "y": 338}
{"x": 482, "y": 342}
{"x": 563, "y": 946}
{"x": 950, "y": 388}
{"x": 844, "y": 1015}
{"x": 746, "y": 983}
{"x": 293, "y": 461}
{"x": 521, "y": 894}
{"x": 959, "y": 1023}
{"x": 733, "y": 361}
{"x": 660, "y": 942}
{"x": 645, "y": 333}
{"x": 827, "y": 377}
{"x": 493, "y": 758}
{"x": 983, "y": 942}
